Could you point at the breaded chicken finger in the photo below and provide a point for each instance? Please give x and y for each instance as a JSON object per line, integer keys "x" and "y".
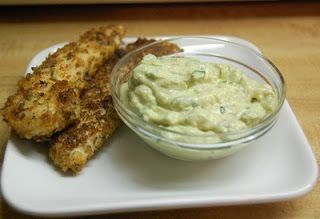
{"x": 47, "y": 101}
{"x": 98, "y": 119}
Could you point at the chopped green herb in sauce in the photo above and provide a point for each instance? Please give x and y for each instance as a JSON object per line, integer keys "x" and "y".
{"x": 222, "y": 109}
{"x": 199, "y": 71}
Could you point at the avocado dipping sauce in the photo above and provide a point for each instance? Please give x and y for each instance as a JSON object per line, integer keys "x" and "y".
{"x": 195, "y": 97}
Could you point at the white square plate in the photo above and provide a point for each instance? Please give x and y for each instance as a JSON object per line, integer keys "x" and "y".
{"x": 127, "y": 175}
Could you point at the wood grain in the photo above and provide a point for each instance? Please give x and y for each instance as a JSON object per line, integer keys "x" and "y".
{"x": 287, "y": 32}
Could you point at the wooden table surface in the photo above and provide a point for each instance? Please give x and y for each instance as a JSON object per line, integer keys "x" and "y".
{"x": 287, "y": 33}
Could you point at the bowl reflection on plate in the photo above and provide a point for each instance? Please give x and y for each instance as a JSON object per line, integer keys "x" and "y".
{"x": 199, "y": 147}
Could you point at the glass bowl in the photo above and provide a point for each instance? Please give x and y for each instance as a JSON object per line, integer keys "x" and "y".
{"x": 200, "y": 147}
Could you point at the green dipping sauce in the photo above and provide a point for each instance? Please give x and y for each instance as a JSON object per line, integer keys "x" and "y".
{"x": 195, "y": 97}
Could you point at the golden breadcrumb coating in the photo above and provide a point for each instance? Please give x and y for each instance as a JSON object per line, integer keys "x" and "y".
{"x": 47, "y": 101}
{"x": 98, "y": 119}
